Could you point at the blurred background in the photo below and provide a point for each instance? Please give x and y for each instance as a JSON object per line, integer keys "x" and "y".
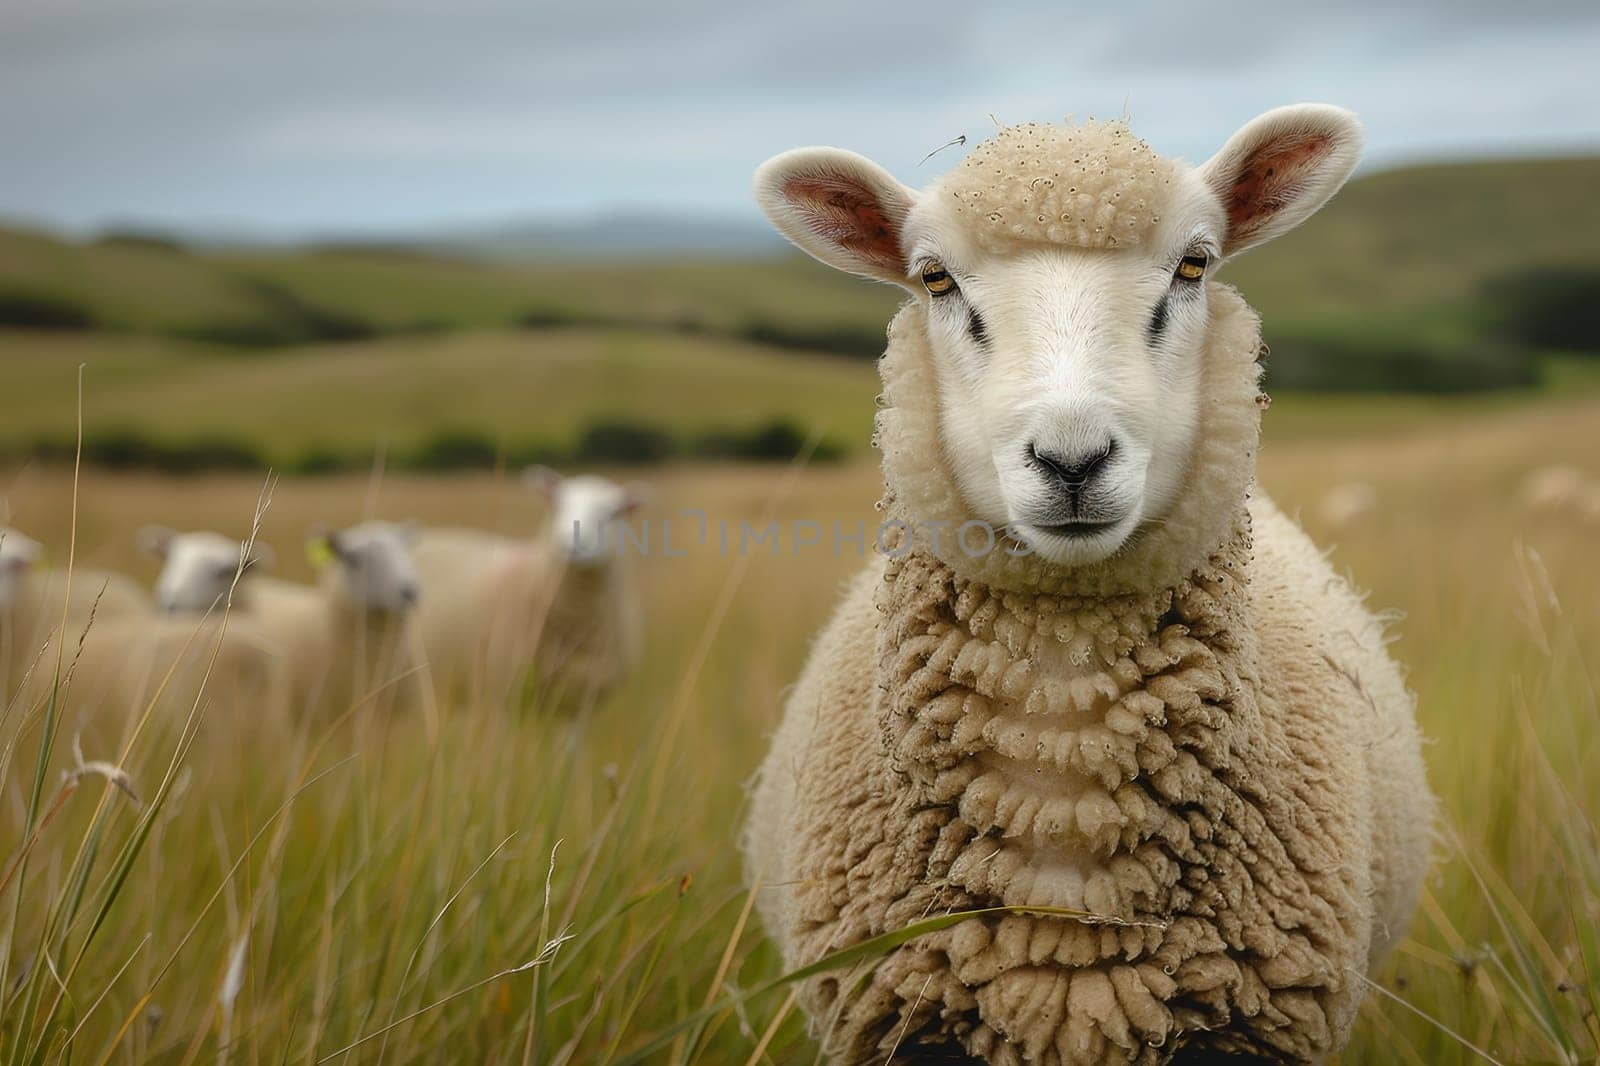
{"x": 394, "y": 250}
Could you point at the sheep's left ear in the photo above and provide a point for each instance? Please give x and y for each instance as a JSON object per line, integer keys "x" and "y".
{"x": 1280, "y": 168}
{"x": 839, "y": 207}
{"x": 634, "y": 496}
{"x": 322, "y": 545}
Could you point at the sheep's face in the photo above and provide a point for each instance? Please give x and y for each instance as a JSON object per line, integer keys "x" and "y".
{"x": 18, "y": 554}
{"x": 585, "y": 512}
{"x": 376, "y": 570}
{"x": 1063, "y": 274}
{"x": 198, "y": 569}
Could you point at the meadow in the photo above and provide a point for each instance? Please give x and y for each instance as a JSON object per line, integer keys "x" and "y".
{"x": 197, "y": 882}
{"x": 529, "y": 888}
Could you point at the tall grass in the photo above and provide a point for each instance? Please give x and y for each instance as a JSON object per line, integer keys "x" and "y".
{"x": 531, "y": 888}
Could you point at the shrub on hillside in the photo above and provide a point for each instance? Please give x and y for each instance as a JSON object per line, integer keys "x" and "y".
{"x": 1360, "y": 363}
{"x": 620, "y": 441}
{"x": 25, "y": 310}
{"x": 1547, "y": 308}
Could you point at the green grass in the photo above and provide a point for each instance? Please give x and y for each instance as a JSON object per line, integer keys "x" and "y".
{"x": 519, "y": 386}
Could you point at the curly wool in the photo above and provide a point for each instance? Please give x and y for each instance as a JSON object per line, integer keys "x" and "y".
{"x": 1092, "y": 185}
{"x": 1201, "y": 738}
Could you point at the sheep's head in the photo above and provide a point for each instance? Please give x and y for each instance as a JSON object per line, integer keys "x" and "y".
{"x": 373, "y": 565}
{"x": 18, "y": 554}
{"x": 198, "y": 569}
{"x": 1062, "y": 273}
{"x": 584, "y": 511}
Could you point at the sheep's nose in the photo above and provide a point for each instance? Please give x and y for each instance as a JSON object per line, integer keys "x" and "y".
{"x": 1073, "y": 472}
{"x": 409, "y": 594}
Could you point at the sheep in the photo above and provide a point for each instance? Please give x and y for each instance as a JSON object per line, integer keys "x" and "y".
{"x": 199, "y": 568}
{"x": 344, "y": 641}
{"x": 563, "y": 605}
{"x": 37, "y": 604}
{"x": 129, "y": 656}
{"x": 1093, "y": 667}
{"x": 1552, "y": 491}
{"x": 1345, "y": 506}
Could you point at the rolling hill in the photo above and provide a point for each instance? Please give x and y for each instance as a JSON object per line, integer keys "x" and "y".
{"x": 297, "y": 350}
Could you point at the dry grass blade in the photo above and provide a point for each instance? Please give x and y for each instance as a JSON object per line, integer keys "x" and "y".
{"x": 1445, "y": 1029}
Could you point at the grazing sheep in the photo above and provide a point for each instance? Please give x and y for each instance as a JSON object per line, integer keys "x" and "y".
{"x": 563, "y": 605}
{"x": 352, "y": 637}
{"x": 198, "y": 568}
{"x": 1552, "y": 491}
{"x": 343, "y": 640}
{"x": 1345, "y": 506}
{"x": 34, "y": 603}
{"x": 115, "y": 667}
{"x": 1149, "y": 697}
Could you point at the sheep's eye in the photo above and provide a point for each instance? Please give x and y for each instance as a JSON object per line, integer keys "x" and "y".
{"x": 938, "y": 279}
{"x": 1193, "y": 267}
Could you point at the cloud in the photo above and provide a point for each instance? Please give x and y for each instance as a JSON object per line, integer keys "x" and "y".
{"x": 374, "y": 113}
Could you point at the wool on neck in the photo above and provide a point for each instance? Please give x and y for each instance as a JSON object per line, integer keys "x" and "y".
{"x": 1083, "y": 738}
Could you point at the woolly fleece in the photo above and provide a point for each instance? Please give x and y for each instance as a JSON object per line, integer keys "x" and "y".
{"x": 1203, "y": 734}
{"x": 1093, "y": 185}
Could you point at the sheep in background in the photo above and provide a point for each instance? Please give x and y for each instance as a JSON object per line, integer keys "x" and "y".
{"x": 1345, "y": 506}
{"x": 115, "y": 668}
{"x": 34, "y": 603}
{"x": 563, "y": 604}
{"x": 1147, "y": 696}
{"x": 351, "y": 638}
{"x": 1554, "y": 491}
{"x": 347, "y": 639}
{"x": 198, "y": 568}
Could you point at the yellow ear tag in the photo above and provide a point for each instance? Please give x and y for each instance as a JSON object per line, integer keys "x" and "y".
{"x": 319, "y": 552}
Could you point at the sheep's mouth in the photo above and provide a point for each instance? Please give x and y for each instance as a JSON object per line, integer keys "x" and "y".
{"x": 1078, "y": 529}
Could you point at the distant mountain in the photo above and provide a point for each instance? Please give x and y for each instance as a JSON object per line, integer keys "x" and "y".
{"x": 611, "y": 236}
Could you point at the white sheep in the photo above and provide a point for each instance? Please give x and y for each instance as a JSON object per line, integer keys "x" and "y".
{"x": 34, "y": 604}
{"x": 561, "y": 607}
{"x": 1345, "y": 506}
{"x": 1098, "y": 669}
{"x": 1552, "y": 491}
{"x": 347, "y": 640}
{"x": 113, "y": 668}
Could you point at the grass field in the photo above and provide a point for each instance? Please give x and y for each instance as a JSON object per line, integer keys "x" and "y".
{"x": 303, "y": 885}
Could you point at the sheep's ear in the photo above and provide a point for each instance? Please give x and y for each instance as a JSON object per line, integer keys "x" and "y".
{"x": 542, "y": 480}
{"x": 155, "y": 540}
{"x": 322, "y": 545}
{"x": 634, "y": 496}
{"x": 1280, "y": 168}
{"x": 838, "y": 207}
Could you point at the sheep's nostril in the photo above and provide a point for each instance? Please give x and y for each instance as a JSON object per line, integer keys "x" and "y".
{"x": 409, "y": 594}
{"x": 1073, "y": 471}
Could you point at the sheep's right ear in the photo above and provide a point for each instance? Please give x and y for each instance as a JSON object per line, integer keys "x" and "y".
{"x": 155, "y": 540}
{"x": 1280, "y": 168}
{"x": 543, "y": 480}
{"x": 839, "y": 207}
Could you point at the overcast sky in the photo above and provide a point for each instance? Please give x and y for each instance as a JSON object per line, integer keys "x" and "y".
{"x": 294, "y": 116}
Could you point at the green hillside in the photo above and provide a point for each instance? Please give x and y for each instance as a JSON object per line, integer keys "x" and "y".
{"x": 316, "y": 355}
